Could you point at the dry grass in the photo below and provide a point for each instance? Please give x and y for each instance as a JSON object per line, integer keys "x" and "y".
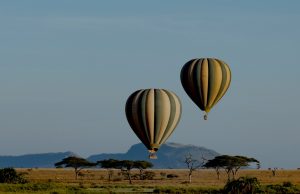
{"x": 203, "y": 178}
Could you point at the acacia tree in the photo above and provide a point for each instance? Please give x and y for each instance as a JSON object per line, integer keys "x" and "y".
{"x": 231, "y": 164}
{"x": 126, "y": 166}
{"x": 142, "y": 165}
{"x": 215, "y": 164}
{"x": 109, "y": 165}
{"x": 192, "y": 164}
{"x": 75, "y": 162}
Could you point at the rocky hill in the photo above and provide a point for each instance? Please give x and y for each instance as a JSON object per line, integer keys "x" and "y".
{"x": 170, "y": 155}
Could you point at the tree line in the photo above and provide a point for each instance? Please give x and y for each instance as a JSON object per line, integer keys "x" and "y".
{"x": 124, "y": 165}
{"x": 230, "y": 164}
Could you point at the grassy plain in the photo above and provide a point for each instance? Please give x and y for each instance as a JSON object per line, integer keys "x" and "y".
{"x": 92, "y": 181}
{"x": 200, "y": 177}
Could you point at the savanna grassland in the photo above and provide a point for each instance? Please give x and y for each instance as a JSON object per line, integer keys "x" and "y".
{"x": 206, "y": 178}
{"x": 96, "y": 181}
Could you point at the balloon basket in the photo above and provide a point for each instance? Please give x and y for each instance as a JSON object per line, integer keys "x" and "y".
{"x": 205, "y": 117}
{"x": 153, "y": 156}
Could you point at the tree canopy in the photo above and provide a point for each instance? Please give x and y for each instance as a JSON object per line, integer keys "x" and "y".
{"x": 231, "y": 164}
{"x": 126, "y": 166}
{"x": 75, "y": 162}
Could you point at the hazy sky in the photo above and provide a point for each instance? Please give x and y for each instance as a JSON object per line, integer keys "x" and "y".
{"x": 68, "y": 66}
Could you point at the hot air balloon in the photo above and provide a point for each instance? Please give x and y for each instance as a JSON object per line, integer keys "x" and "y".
{"x": 153, "y": 114}
{"x": 205, "y": 80}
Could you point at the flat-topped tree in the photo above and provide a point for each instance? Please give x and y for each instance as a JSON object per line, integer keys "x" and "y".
{"x": 231, "y": 164}
{"x": 109, "y": 165}
{"x": 75, "y": 162}
{"x": 125, "y": 166}
{"x": 142, "y": 165}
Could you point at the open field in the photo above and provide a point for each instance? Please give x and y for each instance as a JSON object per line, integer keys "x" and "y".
{"x": 200, "y": 177}
{"x": 95, "y": 181}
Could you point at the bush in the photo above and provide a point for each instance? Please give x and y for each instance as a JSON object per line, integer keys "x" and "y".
{"x": 171, "y": 176}
{"x": 243, "y": 185}
{"x": 186, "y": 190}
{"x": 287, "y": 184}
{"x": 9, "y": 175}
{"x": 148, "y": 175}
{"x": 117, "y": 179}
{"x": 286, "y": 188}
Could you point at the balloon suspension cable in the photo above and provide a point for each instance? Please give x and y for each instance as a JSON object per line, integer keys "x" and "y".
{"x": 152, "y": 154}
{"x": 205, "y": 116}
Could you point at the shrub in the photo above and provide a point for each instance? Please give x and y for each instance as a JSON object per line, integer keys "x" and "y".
{"x": 171, "y": 176}
{"x": 9, "y": 175}
{"x": 187, "y": 190}
{"x": 242, "y": 185}
{"x": 117, "y": 179}
{"x": 287, "y": 184}
{"x": 286, "y": 188}
{"x": 148, "y": 175}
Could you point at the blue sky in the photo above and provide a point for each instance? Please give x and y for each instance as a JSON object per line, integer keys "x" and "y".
{"x": 67, "y": 68}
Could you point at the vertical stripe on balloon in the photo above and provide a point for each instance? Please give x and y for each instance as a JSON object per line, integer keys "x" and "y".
{"x": 205, "y": 80}
{"x": 153, "y": 114}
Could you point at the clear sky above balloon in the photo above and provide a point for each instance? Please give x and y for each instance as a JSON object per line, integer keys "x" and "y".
{"x": 67, "y": 68}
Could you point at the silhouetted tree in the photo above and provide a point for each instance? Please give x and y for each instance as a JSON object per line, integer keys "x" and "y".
{"x": 109, "y": 165}
{"x": 215, "y": 164}
{"x": 75, "y": 162}
{"x": 125, "y": 166}
{"x": 231, "y": 164}
{"x": 142, "y": 165}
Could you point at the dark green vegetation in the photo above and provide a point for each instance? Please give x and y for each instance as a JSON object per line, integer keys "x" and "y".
{"x": 10, "y": 175}
{"x": 231, "y": 164}
{"x": 243, "y": 185}
{"x": 126, "y": 166}
{"x": 53, "y": 188}
{"x": 251, "y": 185}
{"x": 75, "y": 162}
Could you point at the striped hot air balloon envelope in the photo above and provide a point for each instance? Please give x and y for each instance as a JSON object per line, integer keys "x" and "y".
{"x": 153, "y": 114}
{"x": 205, "y": 80}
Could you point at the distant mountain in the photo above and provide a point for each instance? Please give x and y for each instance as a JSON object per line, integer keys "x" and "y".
{"x": 46, "y": 160}
{"x": 170, "y": 155}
